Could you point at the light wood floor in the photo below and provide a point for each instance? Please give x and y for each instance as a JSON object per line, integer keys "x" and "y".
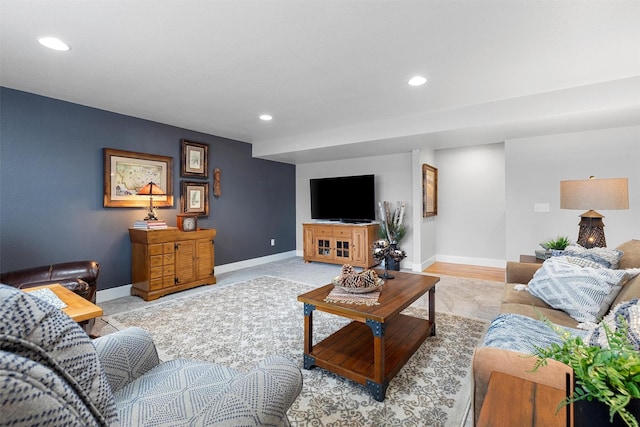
{"x": 470, "y": 271}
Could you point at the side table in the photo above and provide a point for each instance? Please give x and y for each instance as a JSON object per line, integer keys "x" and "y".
{"x": 78, "y": 308}
{"x": 532, "y": 259}
{"x": 512, "y": 401}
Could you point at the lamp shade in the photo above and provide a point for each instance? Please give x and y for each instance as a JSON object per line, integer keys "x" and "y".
{"x": 151, "y": 189}
{"x": 605, "y": 194}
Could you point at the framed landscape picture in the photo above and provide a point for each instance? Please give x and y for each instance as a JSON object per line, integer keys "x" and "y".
{"x": 195, "y": 160}
{"x": 429, "y": 191}
{"x": 126, "y": 172}
{"x": 194, "y": 198}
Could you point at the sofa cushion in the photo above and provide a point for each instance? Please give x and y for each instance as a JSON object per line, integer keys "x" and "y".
{"x": 631, "y": 254}
{"x": 582, "y": 292}
{"x": 627, "y": 312}
{"x": 184, "y": 392}
{"x": 46, "y": 337}
{"x": 558, "y": 317}
{"x": 631, "y": 290}
{"x": 608, "y": 258}
{"x": 514, "y": 294}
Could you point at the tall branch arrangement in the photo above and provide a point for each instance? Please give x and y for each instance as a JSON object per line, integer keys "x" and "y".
{"x": 392, "y": 228}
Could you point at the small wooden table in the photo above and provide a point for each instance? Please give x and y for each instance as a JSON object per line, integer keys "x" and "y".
{"x": 372, "y": 349}
{"x": 531, "y": 259}
{"x": 512, "y": 401}
{"x": 78, "y": 308}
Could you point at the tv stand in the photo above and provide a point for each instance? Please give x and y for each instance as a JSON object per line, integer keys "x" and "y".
{"x": 339, "y": 243}
{"x": 355, "y": 221}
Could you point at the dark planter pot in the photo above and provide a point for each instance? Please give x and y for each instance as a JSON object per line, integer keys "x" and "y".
{"x": 392, "y": 264}
{"x": 594, "y": 413}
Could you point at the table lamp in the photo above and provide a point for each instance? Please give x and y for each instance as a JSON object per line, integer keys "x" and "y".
{"x": 151, "y": 190}
{"x": 592, "y": 193}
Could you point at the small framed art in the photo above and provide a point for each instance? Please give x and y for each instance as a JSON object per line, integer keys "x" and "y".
{"x": 194, "y": 198}
{"x": 429, "y": 191}
{"x": 195, "y": 160}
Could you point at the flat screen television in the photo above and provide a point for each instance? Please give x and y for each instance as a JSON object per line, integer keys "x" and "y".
{"x": 346, "y": 198}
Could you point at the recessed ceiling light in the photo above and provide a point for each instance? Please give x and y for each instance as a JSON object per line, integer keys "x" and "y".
{"x": 265, "y": 117}
{"x": 417, "y": 81}
{"x": 54, "y": 43}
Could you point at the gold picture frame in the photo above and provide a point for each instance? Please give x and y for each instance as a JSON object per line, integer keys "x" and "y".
{"x": 126, "y": 172}
{"x": 194, "y": 198}
{"x": 195, "y": 159}
{"x": 429, "y": 191}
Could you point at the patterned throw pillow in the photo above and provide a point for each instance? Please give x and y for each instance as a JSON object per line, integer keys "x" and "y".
{"x": 584, "y": 293}
{"x": 608, "y": 258}
{"x": 630, "y": 312}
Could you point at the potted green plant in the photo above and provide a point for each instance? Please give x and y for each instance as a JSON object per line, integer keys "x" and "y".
{"x": 559, "y": 243}
{"x": 609, "y": 375}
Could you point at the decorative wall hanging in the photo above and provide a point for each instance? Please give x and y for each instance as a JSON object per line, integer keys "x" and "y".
{"x": 126, "y": 172}
{"x": 195, "y": 159}
{"x": 195, "y": 198}
{"x": 429, "y": 191}
{"x": 217, "y": 189}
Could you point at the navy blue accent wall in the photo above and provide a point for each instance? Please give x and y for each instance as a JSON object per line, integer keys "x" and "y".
{"x": 51, "y": 188}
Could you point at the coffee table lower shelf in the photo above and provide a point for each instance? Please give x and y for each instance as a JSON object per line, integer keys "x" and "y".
{"x": 351, "y": 351}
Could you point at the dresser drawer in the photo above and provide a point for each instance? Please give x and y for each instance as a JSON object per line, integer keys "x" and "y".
{"x": 341, "y": 232}
{"x": 323, "y": 231}
{"x": 155, "y": 250}
{"x": 156, "y": 261}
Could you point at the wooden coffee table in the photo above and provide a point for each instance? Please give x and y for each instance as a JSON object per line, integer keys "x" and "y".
{"x": 372, "y": 349}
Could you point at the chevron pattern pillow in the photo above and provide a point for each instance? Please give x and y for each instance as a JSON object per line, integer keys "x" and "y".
{"x": 584, "y": 293}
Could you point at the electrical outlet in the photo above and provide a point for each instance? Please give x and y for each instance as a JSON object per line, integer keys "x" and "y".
{"x": 273, "y": 242}
{"x": 541, "y": 207}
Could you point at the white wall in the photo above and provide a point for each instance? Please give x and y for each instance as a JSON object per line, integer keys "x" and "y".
{"x": 470, "y": 226}
{"x": 393, "y": 183}
{"x": 535, "y": 167}
{"x": 486, "y": 194}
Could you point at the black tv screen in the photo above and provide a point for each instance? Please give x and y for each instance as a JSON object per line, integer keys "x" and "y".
{"x": 347, "y": 198}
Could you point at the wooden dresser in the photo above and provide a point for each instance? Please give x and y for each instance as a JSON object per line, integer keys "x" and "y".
{"x": 169, "y": 260}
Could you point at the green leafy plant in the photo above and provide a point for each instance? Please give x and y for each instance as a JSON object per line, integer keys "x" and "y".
{"x": 559, "y": 243}
{"x": 610, "y": 374}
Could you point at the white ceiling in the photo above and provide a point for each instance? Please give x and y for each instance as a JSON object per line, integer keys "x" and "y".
{"x": 333, "y": 73}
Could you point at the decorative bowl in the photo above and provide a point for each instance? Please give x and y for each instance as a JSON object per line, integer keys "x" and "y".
{"x": 362, "y": 290}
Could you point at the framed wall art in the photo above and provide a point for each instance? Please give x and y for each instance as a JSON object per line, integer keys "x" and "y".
{"x": 194, "y": 198}
{"x": 429, "y": 191}
{"x": 126, "y": 172}
{"x": 195, "y": 160}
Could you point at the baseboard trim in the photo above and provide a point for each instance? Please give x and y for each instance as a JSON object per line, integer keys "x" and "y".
{"x": 125, "y": 290}
{"x": 480, "y": 262}
{"x": 233, "y": 266}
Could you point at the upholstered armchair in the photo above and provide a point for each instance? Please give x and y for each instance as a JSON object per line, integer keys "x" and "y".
{"x": 52, "y": 373}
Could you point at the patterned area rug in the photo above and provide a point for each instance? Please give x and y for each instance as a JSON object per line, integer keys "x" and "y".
{"x": 239, "y": 324}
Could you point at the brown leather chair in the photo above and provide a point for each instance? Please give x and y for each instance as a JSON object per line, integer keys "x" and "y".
{"x": 79, "y": 276}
